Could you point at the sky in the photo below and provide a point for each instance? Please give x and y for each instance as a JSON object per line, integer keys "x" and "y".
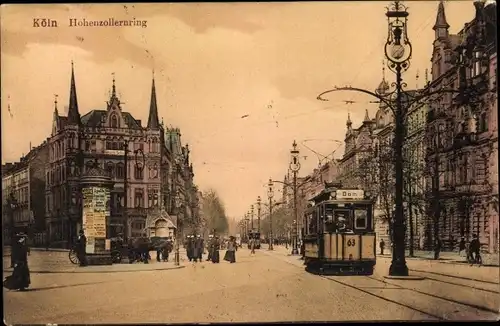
{"x": 239, "y": 79}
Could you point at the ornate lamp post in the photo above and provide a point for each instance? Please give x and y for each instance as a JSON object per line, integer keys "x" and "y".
{"x": 295, "y": 167}
{"x": 270, "y": 195}
{"x": 259, "y": 202}
{"x": 246, "y": 227}
{"x": 398, "y": 51}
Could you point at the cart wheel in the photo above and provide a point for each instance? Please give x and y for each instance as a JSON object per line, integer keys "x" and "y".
{"x": 73, "y": 257}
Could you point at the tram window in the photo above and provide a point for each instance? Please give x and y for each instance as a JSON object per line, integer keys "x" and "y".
{"x": 329, "y": 221}
{"x": 313, "y": 223}
{"x": 343, "y": 220}
{"x": 360, "y": 218}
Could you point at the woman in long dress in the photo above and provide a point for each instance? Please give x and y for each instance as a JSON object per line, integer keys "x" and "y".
{"x": 230, "y": 255}
{"x": 215, "y": 250}
{"x": 20, "y": 279}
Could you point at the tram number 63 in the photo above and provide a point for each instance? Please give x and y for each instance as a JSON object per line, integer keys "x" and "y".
{"x": 351, "y": 243}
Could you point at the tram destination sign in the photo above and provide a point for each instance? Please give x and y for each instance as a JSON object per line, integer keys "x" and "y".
{"x": 350, "y": 194}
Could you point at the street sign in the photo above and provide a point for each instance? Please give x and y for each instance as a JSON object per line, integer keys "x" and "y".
{"x": 350, "y": 194}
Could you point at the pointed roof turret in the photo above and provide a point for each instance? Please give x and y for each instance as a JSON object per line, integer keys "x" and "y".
{"x": 383, "y": 87}
{"x": 348, "y": 122}
{"x": 153, "y": 122}
{"x": 367, "y": 117}
{"x": 441, "y": 26}
{"x": 73, "y": 114}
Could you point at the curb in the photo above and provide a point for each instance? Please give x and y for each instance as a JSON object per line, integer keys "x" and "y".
{"x": 88, "y": 270}
{"x": 406, "y": 278}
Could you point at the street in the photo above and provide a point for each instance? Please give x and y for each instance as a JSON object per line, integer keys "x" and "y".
{"x": 267, "y": 287}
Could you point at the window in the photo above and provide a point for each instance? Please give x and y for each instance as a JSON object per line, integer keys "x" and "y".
{"x": 343, "y": 220}
{"x": 139, "y": 198}
{"x": 360, "y": 218}
{"x": 110, "y": 167}
{"x": 139, "y": 171}
{"x": 114, "y": 121}
{"x": 483, "y": 123}
{"x": 153, "y": 198}
{"x": 120, "y": 170}
{"x": 108, "y": 145}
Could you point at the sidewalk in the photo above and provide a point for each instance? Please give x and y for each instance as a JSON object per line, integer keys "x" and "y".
{"x": 58, "y": 262}
{"x": 447, "y": 257}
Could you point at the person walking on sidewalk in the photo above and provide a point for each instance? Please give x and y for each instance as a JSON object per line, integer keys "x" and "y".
{"x": 20, "y": 278}
{"x": 382, "y": 246}
{"x": 474, "y": 248}
{"x": 81, "y": 249}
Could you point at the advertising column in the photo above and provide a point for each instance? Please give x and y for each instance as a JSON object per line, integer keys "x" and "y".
{"x": 94, "y": 216}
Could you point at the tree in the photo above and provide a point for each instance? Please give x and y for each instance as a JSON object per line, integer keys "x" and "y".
{"x": 214, "y": 213}
{"x": 281, "y": 218}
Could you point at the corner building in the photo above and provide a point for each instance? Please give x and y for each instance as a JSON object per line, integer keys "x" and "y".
{"x": 76, "y": 142}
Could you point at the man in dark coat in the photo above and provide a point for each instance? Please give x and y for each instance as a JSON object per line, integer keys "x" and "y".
{"x": 190, "y": 247}
{"x": 198, "y": 249}
{"x": 81, "y": 248}
{"x": 167, "y": 249}
{"x": 202, "y": 248}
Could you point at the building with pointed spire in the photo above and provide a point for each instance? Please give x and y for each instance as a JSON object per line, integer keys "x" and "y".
{"x": 462, "y": 137}
{"x": 158, "y": 169}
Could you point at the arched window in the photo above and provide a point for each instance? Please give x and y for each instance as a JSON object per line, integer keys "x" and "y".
{"x": 483, "y": 123}
{"x": 120, "y": 171}
{"x": 114, "y": 121}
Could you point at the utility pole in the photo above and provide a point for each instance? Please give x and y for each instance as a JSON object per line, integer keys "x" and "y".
{"x": 270, "y": 195}
{"x": 295, "y": 167}
{"x": 258, "y": 213}
{"x": 251, "y": 214}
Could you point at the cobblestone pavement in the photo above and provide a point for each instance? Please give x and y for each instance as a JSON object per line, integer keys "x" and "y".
{"x": 265, "y": 287}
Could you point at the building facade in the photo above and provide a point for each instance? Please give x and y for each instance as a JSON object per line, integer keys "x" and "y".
{"x": 460, "y": 139}
{"x": 23, "y": 190}
{"x": 149, "y": 168}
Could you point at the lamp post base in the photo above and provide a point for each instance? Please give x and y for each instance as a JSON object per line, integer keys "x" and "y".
{"x": 295, "y": 251}
{"x": 398, "y": 268}
{"x": 177, "y": 257}
{"x": 270, "y": 247}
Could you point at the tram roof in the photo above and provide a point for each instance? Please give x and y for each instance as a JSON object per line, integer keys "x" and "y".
{"x": 342, "y": 201}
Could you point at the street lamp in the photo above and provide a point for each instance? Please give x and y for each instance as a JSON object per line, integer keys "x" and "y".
{"x": 270, "y": 195}
{"x": 258, "y": 213}
{"x": 295, "y": 167}
{"x": 398, "y": 51}
{"x": 246, "y": 227}
{"x": 251, "y": 215}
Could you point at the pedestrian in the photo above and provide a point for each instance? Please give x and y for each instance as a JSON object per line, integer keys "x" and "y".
{"x": 252, "y": 246}
{"x": 159, "y": 250}
{"x": 166, "y": 250}
{"x": 215, "y": 250}
{"x": 210, "y": 247}
{"x": 474, "y": 248}
{"x": 230, "y": 255}
{"x": 20, "y": 278}
{"x": 201, "y": 248}
{"x": 197, "y": 249}
{"x": 382, "y": 246}
{"x": 461, "y": 246}
{"x": 81, "y": 248}
{"x": 190, "y": 247}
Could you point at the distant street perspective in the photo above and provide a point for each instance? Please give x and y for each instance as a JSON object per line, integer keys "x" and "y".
{"x": 250, "y": 162}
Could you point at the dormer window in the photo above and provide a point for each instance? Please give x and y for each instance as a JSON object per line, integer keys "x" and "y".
{"x": 114, "y": 121}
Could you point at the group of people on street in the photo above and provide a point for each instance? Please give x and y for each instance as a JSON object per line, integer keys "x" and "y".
{"x": 20, "y": 278}
{"x": 195, "y": 248}
{"x": 471, "y": 250}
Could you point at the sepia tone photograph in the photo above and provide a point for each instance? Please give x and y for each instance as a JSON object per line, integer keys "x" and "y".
{"x": 249, "y": 162}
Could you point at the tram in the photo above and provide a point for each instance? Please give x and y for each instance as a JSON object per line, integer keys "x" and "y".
{"x": 255, "y": 235}
{"x": 339, "y": 232}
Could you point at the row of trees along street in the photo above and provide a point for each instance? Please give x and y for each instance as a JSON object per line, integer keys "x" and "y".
{"x": 213, "y": 214}
{"x": 281, "y": 222}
